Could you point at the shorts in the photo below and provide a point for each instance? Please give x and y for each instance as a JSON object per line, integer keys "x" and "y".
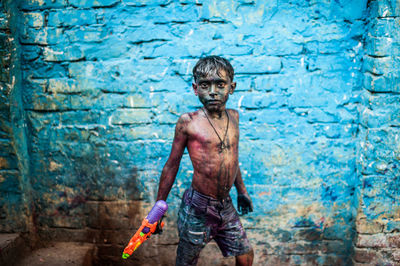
{"x": 202, "y": 218}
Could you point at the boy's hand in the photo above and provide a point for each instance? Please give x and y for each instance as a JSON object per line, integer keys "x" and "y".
{"x": 159, "y": 229}
{"x": 244, "y": 204}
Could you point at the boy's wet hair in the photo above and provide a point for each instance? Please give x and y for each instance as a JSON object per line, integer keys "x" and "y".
{"x": 210, "y": 65}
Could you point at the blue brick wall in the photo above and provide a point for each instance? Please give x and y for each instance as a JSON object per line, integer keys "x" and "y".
{"x": 13, "y": 199}
{"x": 103, "y": 82}
{"x": 378, "y": 216}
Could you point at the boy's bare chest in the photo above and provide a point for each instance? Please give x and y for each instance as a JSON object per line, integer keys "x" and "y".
{"x": 214, "y": 138}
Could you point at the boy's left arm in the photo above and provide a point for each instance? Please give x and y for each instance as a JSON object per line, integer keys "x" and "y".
{"x": 243, "y": 200}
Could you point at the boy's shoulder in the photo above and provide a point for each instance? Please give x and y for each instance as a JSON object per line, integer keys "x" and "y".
{"x": 188, "y": 117}
{"x": 233, "y": 112}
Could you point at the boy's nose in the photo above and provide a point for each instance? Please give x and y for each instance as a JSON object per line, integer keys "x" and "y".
{"x": 213, "y": 90}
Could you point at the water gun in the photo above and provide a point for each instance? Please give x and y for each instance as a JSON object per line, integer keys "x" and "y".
{"x": 148, "y": 227}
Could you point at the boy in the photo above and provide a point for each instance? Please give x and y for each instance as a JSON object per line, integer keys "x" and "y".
{"x": 211, "y": 135}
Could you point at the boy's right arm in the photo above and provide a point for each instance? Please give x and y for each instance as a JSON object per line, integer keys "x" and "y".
{"x": 171, "y": 167}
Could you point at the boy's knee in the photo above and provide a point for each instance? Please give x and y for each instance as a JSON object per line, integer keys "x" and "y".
{"x": 245, "y": 259}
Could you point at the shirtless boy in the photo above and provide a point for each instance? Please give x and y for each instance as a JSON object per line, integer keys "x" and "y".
{"x": 211, "y": 135}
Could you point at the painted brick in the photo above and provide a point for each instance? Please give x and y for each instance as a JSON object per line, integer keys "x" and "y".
{"x": 261, "y": 64}
{"x": 387, "y": 83}
{"x": 44, "y": 36}
{"x": 34, "y": 19}
{"x": 64, "y": 86}
{"x": 64, "y": 18}
{"x": 382, "y": 66}
{"x": 9, "y": 183}
{"x": 257, "y": 101}
{"x": 380, "y": 117}
{"x": 73, "y": 53}
{"x": 368, "y": 227}
{"x": 131, "y": 116}
{"x": 381, "y": 46}
{"x": 145, "y": 2}
{"x": 92, "y": 3}
{"x": 385, "y": 28}
{"x": 86, "y": 34}
{"x": 342, "y": 10}
{"x": 394, "y": 241}
{"x": 396, "y": 255}
{"x": 372, "y": 241}
{"x": 385, "y": 8}
{"x": 42, "y": 4}
{"x": 3, "y": 21}
{"x": 365, "y": 255}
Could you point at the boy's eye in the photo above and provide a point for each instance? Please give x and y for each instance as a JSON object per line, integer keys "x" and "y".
{"x": 204, "y": 85}
{"x": 221, "y": 85}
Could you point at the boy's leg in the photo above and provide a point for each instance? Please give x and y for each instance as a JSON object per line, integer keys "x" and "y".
{"x": 231, "y": 237}
{"x": 245, "y": 259}
{"x": 187, "y": 253}
{"x": 193, "y": 231}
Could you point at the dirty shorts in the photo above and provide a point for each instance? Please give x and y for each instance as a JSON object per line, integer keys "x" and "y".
{"x": 201, "y": 219}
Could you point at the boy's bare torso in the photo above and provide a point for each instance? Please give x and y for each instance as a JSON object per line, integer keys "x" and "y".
{"x": 215, "y": 169}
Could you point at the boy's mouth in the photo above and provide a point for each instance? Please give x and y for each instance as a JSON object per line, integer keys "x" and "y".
{"x": 214, "y": 102}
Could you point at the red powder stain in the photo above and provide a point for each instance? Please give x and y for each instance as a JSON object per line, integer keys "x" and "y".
{"x": 264, "y": 193}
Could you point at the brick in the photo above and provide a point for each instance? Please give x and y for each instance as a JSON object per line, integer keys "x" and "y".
{"x": 262, "y": 100}
{"x": 394, "y": 240}
{"x": 321, "y": 116}
{"x": 379, "y": 118}
{"x": 279, "y": 46}
{"x": 64, "y": 86}
{"x": 386, "y": 83}
{"x": 385, "y": 27}
{"x": 381, "y": 46}
{"x": 140, "y": 35}
{"x": 365, "y": 255}
{"x": 142, "y": 132}
{"x": 71, "y": 53}
{"x": 131, "y": 116}
{"x": 65, "y": 18}
{"x": 93, "y": 3}
{"x": 9, "y": 183}
{"x": 6, "y": 148}
{"x": 382, "y": 66}
{"x": 9, "y": 162}
{"x": 43, "y": 36}
{"x": 329, "y": 63}
{"x": 385, "y": 8}
{"x": 365, "y": 226}
{"x": 350, "y": 11}
{"x": 48, "y": 102}
{"x": 87, "y": 34}
{"x": 396, "y": 255}
{"x": 173, "y": 13}
{"x": 42, "y": 4}
{"x": 4, "y": 21}
{"x": 31, "y": 53}
{"x": 67, "y": 222}
{"x": 392, "y": 226}
{"x": 146, "y": 2}
{"x": 259, "y": 65}
{"x": 372, "y": 241}
{"x": 34, "y": 19}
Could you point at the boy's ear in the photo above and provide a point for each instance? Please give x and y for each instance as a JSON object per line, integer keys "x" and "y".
{"x": 194, "y": 85}
{"x": 233, "y": 87}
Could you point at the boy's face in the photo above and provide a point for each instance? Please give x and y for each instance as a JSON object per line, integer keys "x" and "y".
{"x": 213, "y": 91}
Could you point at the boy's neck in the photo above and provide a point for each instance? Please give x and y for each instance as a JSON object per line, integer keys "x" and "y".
{"x": 217, "y": 114}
